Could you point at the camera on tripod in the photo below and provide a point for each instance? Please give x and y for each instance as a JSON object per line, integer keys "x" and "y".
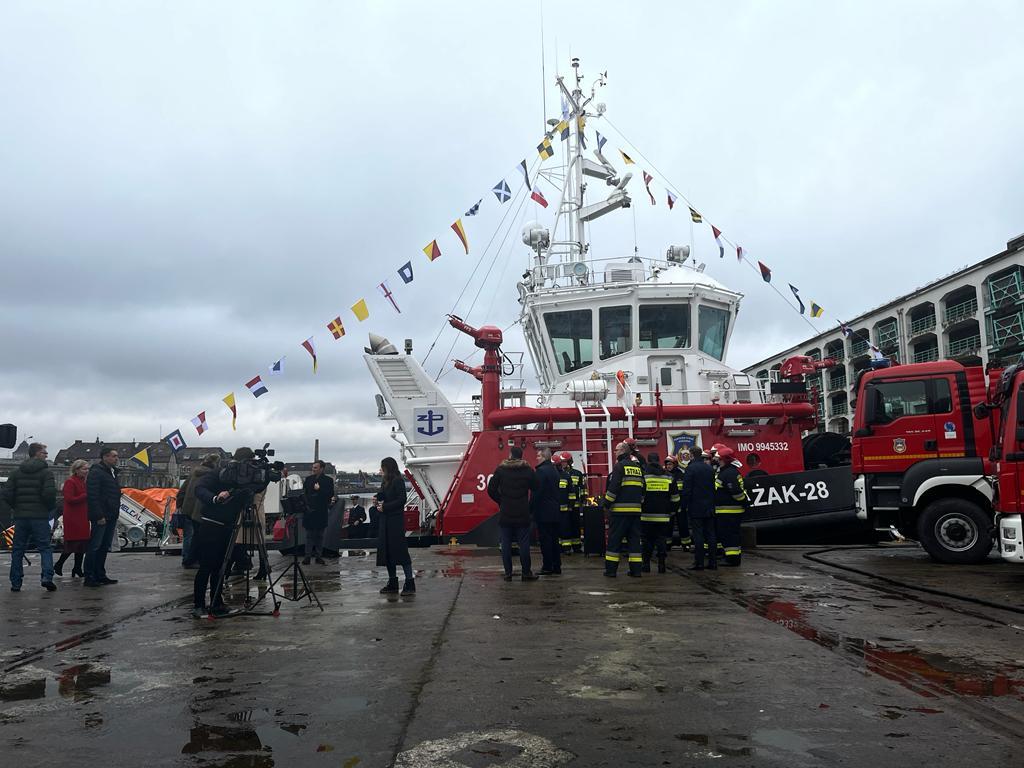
{"x": 255, "y": 474}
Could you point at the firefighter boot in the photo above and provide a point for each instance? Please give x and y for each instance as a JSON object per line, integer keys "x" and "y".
{"x": 635, "y": 569}
{"x": 661, "y": 564}
{"x": 611, "y": 565}
{"x": 646, "y": 564}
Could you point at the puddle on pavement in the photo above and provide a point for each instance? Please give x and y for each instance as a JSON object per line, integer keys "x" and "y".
{"x": 75, "y": 682}
{"x": 926, "y": 673}
{"x": 718, "y": 744}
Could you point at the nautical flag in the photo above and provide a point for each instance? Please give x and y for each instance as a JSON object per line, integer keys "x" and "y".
{"x": 474, "y": 208}
{"x": 626, "y": 158}
{"x": 175, "y": 440}
{"x": 544, "y": 149}
{"x": 601, "y": 141}
{"x": 502, "y": 192}
{"x": 276, "y": 369}
{"x": 671, "y": 199}
{"x": 383, "y": 288}
{"x": 581, "y": 124}
{"x": 565, "y": 110}
{"x": 360, "y": 310}
{"x": 336, "y": 327}
{"x": 876, "y": 353}
{"x": 229, "y": 401}
{"x": 816, "y": 310}
{"x": 766, "y": 274}
{"x": 405, "y": 271}
{"x": 718, "y": 239}
{"x": 647, "y": 183}
{"x": 739, "y": 253}
{"x": 539, "y": 198}
{"x": 310, "y": 347}
{"x": 798, "y": 299}
{"x": 461, "y": 232}
{"x": 142, "y": 459}
{"x": 562, "y": 129}
{"x": 256, "y": 386}
{"x": 199, "y": 422}
{"x": 846, "y": 330}
{"x": 695, "y": 217}
{"x": 526, "y": 174}
{"x": 431, "y": 249}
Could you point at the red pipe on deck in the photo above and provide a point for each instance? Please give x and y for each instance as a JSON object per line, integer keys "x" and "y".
{"x": 507, "y": 417}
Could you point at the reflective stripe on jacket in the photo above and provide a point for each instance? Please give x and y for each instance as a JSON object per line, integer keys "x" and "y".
{"x": 625, "y": 490}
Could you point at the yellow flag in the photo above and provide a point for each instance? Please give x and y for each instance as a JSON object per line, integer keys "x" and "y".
{"x": 229, "y": 401}
{"x": 360, "y": 311}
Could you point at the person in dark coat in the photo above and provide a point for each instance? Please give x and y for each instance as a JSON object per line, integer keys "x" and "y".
{"x": 318, "y": 489}
{"x": 392, "y": 549}
{"x": 356, "y": 527}
{"x": 103, "y": 495}
{"x": 75, "y": 518}
{"x": 31, "y": 493}
{"x": 544, "y": 506}
{"x": 511, "y": 486}
{"x": 698, "y": 504}
{"x": 191, "y": 510}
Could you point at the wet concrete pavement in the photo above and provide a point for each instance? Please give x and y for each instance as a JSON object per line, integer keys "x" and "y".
{"x": 783, "y": 661}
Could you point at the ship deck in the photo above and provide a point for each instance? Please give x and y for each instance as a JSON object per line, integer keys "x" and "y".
{"x": 785, "y": 661}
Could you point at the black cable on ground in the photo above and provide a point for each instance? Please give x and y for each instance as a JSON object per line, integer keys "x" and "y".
{"x": 813, "y": 557}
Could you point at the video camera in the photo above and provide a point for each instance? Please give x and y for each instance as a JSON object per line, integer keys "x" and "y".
{"x": 255, "y": 474}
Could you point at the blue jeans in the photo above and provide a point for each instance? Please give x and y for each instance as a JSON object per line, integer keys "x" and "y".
{"x": 101, "y": 538}
{"x": 521, "y": 535}
{"x": 37, "y": 531}
{"x": 187, "y": 531}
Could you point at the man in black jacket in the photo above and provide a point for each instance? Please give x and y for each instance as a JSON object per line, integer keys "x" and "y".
{"x": 318, "y": 489}
{"x": 511, "y": 486}
{"x": 31, "y": 493}
{"x": 103, "y": 495}
{"x": 544, "y": 507}
{"x": 220, "y": 504}
{"x": 698, "y": 503}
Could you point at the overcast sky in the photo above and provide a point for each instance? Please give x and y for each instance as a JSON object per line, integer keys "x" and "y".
{"x": 188, "y": 190}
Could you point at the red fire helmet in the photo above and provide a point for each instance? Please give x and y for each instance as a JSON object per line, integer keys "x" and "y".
{"x": 725, "y": 454}
{"x": 565, "y": 457}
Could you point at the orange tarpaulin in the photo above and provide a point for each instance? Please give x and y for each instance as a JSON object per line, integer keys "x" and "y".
{"x": 153, "y": 499}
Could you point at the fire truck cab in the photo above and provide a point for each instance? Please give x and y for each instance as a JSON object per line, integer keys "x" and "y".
{"x": 1008, "y": 454}
{"x": 921, "y": 457}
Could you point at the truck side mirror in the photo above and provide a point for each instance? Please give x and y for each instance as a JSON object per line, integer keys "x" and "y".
{"x": 981, "y": 411}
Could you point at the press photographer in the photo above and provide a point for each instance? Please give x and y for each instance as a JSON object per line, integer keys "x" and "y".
{"x": 223, "y": 497}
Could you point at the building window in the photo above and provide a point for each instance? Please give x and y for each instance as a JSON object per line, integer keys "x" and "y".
{"x": 615, "y": 329}
{"x": 712, "y": 327}
{"x": 664, "y": 326}
{"x": 572, "y": 338}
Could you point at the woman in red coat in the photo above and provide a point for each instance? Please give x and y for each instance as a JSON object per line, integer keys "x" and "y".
{"x": 76, "y": 518}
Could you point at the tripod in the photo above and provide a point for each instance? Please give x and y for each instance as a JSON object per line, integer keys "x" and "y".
{"x": 297, "y": 573}
{"x": 248, "y": 523}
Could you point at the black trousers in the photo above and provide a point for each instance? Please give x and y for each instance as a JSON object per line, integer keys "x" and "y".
{"x": 624, "y": 527}
{"x": 550, "y": 550}
{"x": 683, "y": 521}
{"x": 212, "y": 542}
{"x": 655, "y": 537}
{"x": 704, "y": 536}
{"x": 521, "y": 536}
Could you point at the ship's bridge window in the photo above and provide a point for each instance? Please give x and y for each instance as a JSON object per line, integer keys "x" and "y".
{"x": 572, "y": 337}
{"x": 615, "y": 330}
{"x": 712, "y": 328}
{"x": 664, "y": 326}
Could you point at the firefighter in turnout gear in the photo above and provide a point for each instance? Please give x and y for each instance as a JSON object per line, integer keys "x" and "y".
{"x": 566, "y": 503}
{"x": 571, "y": 540}
{"x": 624, "y": 498}
{"x": 661, "y": 499}
{"x": 730, "y": 504}
{"x": 672, "y": 466}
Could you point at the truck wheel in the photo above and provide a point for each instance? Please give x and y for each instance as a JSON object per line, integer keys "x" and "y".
{"x": 955, "y": 531}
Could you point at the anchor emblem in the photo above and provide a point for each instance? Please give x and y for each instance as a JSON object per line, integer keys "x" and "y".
{"x": 430, "y": 417}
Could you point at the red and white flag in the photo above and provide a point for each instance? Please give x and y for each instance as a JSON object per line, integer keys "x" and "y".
{"x": 310, "y": 347}
{"x": 718, "y": 239}
{"x": 739, "y": 253}
{"x": 386, "y": 292}
{"x": 199, "y": 422}
{"x": 671, "y": 199}
{"x": 647, "y": 183}
{"x": 539, "y": 198}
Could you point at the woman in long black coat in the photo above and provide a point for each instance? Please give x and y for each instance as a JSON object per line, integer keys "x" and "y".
{"x": 392, "y": 550}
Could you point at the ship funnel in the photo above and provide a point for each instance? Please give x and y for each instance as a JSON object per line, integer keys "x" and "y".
{"x": 380, "y": 346}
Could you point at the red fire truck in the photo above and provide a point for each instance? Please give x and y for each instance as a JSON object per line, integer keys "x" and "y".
{"x": 1006, "y": 408}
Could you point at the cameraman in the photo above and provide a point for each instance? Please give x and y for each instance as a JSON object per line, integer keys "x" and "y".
{"x": 221, "y": 503}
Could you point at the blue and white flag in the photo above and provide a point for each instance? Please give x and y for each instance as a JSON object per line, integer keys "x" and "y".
{"x": 175, "y": 441}
{"x": 276, "y": 369}
{"x": 526, "y": 174}
{"x": 502, "y": 192}
{"x": 565, "y": 109}
{"x": 601, "y": 140}
{"x": 474, "y": 209}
